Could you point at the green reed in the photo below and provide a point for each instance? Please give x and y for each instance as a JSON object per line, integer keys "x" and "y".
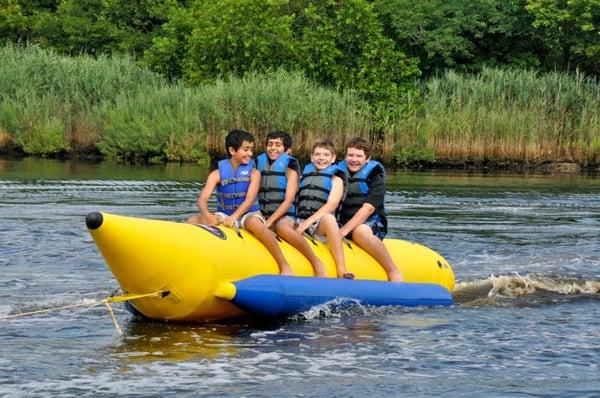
{"x": 507, "y": 115}
{"x": 51, "y": 104}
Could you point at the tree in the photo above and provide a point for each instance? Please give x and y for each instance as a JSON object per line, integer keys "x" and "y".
{"x": 238, "y": 36}
{"x": 570, "y": 32}
{"x": 13, "y": 22}
{"x": 102, "y": 26}
{"x": 343, "y": 43}
{"x": 460, "y": 34}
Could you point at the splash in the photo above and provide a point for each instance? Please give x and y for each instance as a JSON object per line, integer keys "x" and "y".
{"x": 523, "y": 290}
{"x": 334, "y": 308}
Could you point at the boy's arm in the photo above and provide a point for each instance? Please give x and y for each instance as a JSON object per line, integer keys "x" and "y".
{"x": 374, "y": 198}
{"x": 290, "y": 194}
{"x": 211, "y": 183}
{"x": 357, "y": 219}
{"x": 333, "y": 201}
{"x": 248, "y": 201}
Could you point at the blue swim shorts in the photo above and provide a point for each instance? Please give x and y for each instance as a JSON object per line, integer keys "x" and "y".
{"x": 377, "y": 227}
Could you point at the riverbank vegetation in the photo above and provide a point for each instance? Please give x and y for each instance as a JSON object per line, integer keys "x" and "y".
{"x": 436, "y": 82}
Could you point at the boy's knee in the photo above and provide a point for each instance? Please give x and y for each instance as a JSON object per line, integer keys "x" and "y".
{"x": 362, "y": 232}
{"x": 253, "y": 223}
{"x": 284, "y": 228}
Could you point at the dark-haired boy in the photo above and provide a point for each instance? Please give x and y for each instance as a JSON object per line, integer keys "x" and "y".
{"x": 236, "y": 182}
{"x": 280, "y": 173}
{"x": 362, "y": 213}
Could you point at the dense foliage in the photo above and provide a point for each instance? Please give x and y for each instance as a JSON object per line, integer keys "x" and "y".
{"x": 376, "y": 47}
{"x": 388, "y": 61}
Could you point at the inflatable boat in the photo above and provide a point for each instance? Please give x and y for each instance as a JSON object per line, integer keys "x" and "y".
{"x": 207, "y": 273}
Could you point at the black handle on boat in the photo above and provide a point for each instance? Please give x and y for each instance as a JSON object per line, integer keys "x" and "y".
{"x": 94, "y": 220}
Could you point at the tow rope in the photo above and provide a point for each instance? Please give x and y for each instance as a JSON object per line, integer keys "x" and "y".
{"x": 106, "y": 301}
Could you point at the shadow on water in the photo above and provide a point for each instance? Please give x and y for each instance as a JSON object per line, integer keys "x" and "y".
{"x": 145, "y": 341}
{"x": 524, "y": 291}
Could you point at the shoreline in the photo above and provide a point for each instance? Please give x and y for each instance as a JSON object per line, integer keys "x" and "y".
{"x": 510, "y": 167}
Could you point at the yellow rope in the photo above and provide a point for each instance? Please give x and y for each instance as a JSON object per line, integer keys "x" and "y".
{"x": 98, "y": 302}
{"x": 106, "y": 301}
{"x": 112, "y": 314}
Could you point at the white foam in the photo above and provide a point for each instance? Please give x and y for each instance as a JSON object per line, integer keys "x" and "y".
{"x": 517, "y": 285}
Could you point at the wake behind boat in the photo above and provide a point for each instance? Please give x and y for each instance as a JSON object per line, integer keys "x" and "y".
{"x": 207, "y": 273}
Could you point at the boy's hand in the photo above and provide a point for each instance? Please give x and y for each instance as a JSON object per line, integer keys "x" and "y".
{"x": 211, "y": 219}
{"x": 230, "y": 221}
{"x": 344, "y": 231}
{"x": 302, "y": 227}
{"x": 269, "y": 222}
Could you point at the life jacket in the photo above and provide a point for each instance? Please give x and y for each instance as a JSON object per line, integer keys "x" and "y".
{"x": 233, "y": 188}
{"x": 315, "y": 187}
{"x": 273, "y": 182}
{"x": 358, "y": 189}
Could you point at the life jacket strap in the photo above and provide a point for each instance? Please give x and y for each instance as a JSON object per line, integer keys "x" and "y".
{"x": 232, "y": 195}
{"x": 233, "y": 180}
{"x": 314, "y": 187}
{"x": 311, "y": 197}
{"x": 272, "y": 173}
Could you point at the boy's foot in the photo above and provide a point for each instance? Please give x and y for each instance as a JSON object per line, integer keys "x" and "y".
{"x": 395, "y": 276}
{"x": 345, "y": 275}
{"x": 285, "y": 270}
{"x": 319, "y": 269}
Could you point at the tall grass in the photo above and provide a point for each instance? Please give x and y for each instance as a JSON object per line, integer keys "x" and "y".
{"x": 52, "y": 105}
{"x": 47, "y": 100}
{"x": 507, "y": 115}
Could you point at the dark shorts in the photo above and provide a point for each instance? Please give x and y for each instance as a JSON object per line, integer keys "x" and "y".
{"x": 379, "y": 230}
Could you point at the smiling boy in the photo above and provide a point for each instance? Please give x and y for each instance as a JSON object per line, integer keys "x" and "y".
{"x": 236, "y": 182}
{"x": 362, "y": 213}
{"x": 276, "y": 196}
{"x": 321, "y": 189}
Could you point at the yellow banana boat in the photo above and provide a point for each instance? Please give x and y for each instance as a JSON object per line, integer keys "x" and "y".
{"x": 193, "y": 268}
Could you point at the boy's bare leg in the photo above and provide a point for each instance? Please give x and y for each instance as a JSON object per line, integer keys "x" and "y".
{"x": 286, "y": 231}
{"x": 196, "y": 219}
{"x": 328, "y": 225}
{"x": 258, "y": 228}
{"x": 363, "y": 236}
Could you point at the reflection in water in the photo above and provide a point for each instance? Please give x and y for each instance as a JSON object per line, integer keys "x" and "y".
{"x": 145, "y": 341}
{"x": 50, "y": 169}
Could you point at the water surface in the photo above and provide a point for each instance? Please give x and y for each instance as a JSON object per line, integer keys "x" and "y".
{"x": 525, "y": 250}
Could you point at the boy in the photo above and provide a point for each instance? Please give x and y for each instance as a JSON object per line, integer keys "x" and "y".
{"x": 236, "y": 182}
{"x": 276, "y": 196}
{"x": 362, "y": 213}
{"x": 321, "y": 189}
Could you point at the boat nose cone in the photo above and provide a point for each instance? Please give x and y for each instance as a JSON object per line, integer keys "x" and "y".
{"x": 94, "y": 220}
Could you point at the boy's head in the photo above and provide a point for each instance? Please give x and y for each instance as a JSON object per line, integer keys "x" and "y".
{"x": 239, "y": 145}
{"x": 278, "y": 142}
{"x": 358, "y": 153}
{"x": 322, "y": 154}
{"x": 361, "y": 144}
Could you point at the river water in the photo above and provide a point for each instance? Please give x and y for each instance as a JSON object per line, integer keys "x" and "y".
{"x": 525, "y": 250}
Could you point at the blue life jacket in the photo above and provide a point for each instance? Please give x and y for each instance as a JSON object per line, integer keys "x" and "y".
{"x": 273, "y": 182}
{"x": 233, "y": 188}
{"x": 315, "y": 187}
{"x": 358, "y": 189}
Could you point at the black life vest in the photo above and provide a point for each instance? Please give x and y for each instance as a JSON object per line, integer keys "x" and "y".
{"x": 273, "y": 182}
{"x": 315, "y": 187}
